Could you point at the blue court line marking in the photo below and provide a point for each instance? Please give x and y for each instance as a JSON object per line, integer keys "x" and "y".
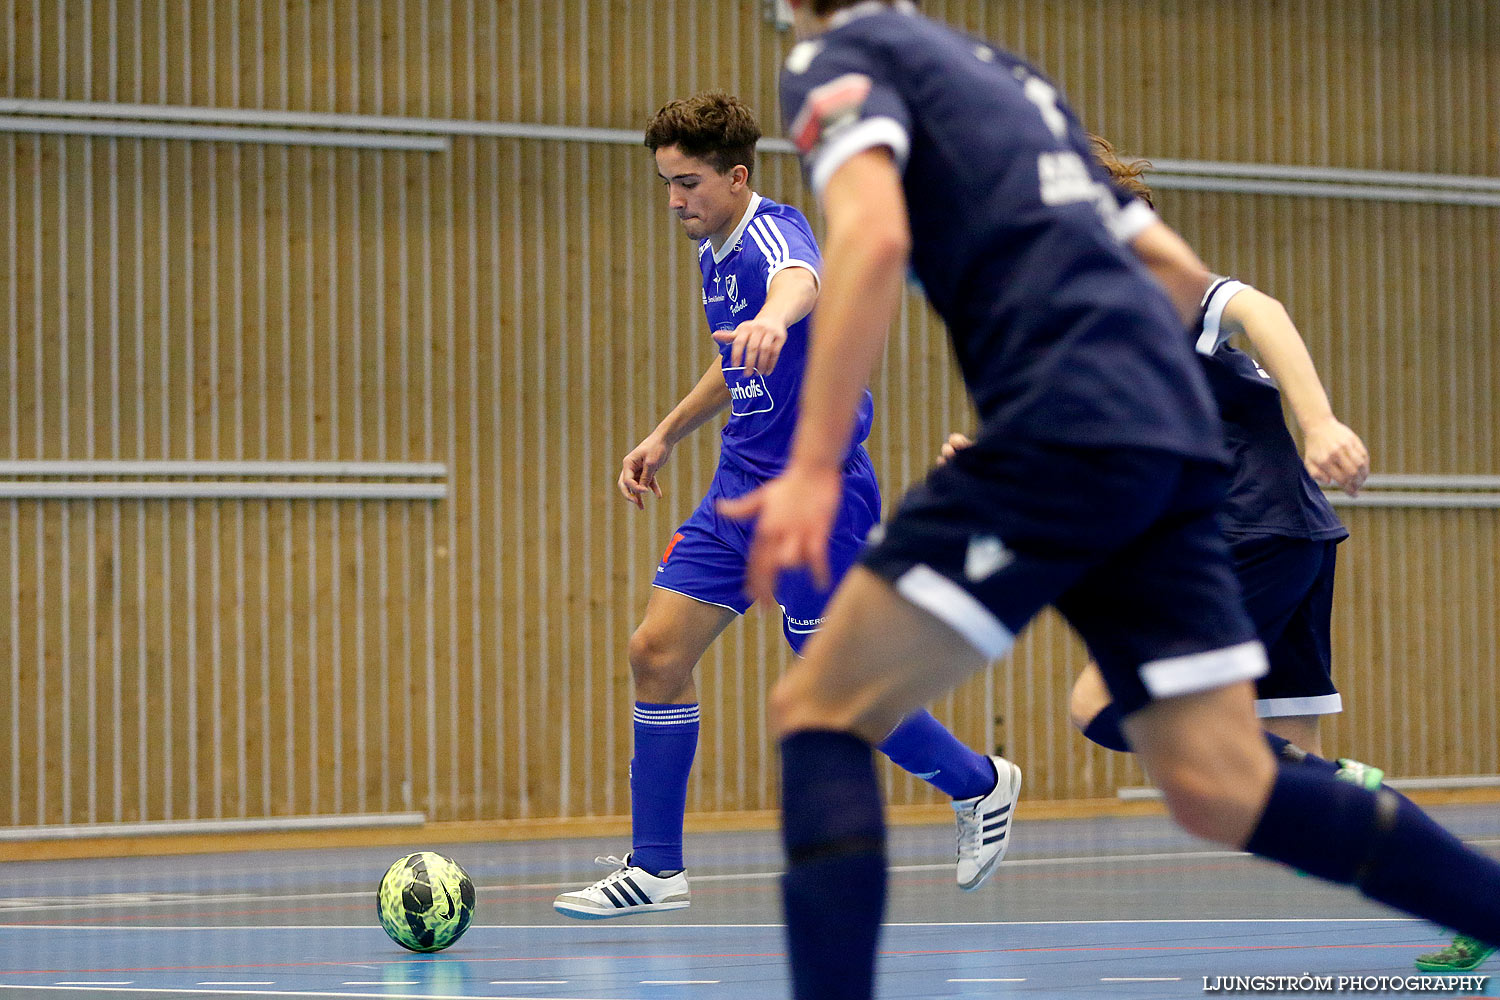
{"x": 116, "y": 928}
{"x": 219, "y": 928}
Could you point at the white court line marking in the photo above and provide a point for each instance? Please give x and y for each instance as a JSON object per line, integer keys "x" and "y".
{"x": 986, "y": 980}
{"x": 84, "y": 982}
{"x": 134, "y": 900}
{"x": 679, "y": 982}
{"x": 235, "y": 982}
{"x": 383, "y": 982}
{"x": 1140, "y": 979}
{"x": 528, "y": 982}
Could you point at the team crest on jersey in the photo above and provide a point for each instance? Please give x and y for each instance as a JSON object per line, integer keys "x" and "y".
{"x": 732, "y": 291}
{"x": 830, "y": 109}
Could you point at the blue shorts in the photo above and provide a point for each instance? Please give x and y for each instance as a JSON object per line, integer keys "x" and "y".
{"x": 706, "y": 558}
{"x": 1288, "y": 588}
{"x": 1122, "y": 541}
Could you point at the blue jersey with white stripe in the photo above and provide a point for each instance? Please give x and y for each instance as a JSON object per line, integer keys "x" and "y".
{"x": 1017, "y": 235}
{"x": 763, "y": 408}
{"x": 1270, "y": 492}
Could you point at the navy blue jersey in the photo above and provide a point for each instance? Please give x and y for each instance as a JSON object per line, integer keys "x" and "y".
{"x": 763, "y": 408}
{"x": 1270, "y": 492}
{"x": 1060, "y": 333}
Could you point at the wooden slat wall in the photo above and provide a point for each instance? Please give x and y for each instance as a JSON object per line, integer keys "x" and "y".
{"x": 524, "y": 311}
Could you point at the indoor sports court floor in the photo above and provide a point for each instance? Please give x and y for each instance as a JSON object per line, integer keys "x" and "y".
{"x": 1117, "y": 908}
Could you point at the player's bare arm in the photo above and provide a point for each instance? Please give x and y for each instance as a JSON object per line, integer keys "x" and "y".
{"x": 1175, "y": 266}
{"x": 1331, "y": 451}
{"x": 639, "y": 468}
{"x": 757, "y": 342}
{"x": 865, "y": 260}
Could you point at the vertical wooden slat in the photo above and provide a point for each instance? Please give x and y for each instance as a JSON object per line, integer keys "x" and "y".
{"x": 525, "y": 311}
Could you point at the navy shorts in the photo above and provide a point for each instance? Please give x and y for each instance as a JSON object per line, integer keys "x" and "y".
{"x": 705, "y": 559}
{"x": 1288, "y": 588}
{"x": 1122, "y": 541}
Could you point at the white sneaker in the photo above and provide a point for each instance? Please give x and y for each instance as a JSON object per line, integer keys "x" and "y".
{"x": 984, "y": 826}
{"x": 625, "y": 892}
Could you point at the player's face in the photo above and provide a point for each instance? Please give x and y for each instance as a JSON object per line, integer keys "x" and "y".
{"x": 704, "y": 200}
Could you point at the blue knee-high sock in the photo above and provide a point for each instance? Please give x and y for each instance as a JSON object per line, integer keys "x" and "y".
{"x": 833, "y": 891}
{"x": 923, "y": 746}
{"x": 666, "y": 738}
{"x": 1383, "y": 844}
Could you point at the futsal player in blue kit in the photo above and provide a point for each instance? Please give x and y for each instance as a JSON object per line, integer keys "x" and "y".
{"x": 1090, "y": 486}
{"x": 759, "y": 267}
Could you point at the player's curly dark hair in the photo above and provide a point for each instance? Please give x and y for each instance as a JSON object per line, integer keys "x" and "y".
{"x": 714, "y": 127}
{"x": 1126, "y": 175}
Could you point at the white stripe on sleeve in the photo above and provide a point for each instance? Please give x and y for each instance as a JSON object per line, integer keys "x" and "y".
{"x": 760, "y": 241}
{"x": 1219, "y": 294}
{"x": 855, "y": 139}
{"x": 772, "y": 230}
{"x": 1133, "y": 219}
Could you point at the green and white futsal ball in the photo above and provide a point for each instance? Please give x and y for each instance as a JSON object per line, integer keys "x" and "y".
{"x": 425, "y": 901}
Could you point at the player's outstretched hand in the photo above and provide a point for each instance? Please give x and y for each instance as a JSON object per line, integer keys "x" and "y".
{"x": 956, "y": 442}
{"x": 756, "y": 344}
{"x": 1334, "y": 454}
{"x": 638, "y": 472}
{"x": 793, "y": 516}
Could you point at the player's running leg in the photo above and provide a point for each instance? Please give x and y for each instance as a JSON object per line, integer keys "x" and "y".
{"x": 671, "y": 639}
{"x": 1221, "y": 782}
{"x": 983, "y": 789}
{"x": 854, "y": 686}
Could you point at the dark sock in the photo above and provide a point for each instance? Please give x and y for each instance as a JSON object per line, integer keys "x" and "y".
{"x": 923, "y": 746}
{"x": 1105, "y": 729}
{"x": 1290, "y": 753}
{"x": 833, "y": 892}
{"x": 1381, "y": 843}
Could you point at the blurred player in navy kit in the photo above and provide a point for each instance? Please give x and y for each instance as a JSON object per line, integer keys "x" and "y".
{"x": 759, "y": 267}
{"x": 1281, "y": 530}
{"x": 1091, "y": 486}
